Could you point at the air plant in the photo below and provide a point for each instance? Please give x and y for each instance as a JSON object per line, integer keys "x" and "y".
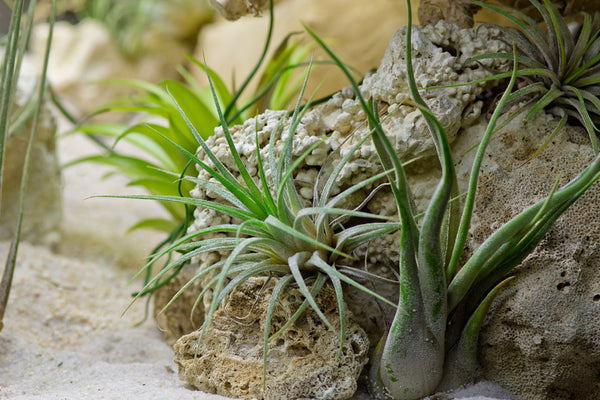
{"x": 275, "y": 233}
{"x": 420, "y": 355}
{"x": 559, "y": 66}
{"x": 11, "y": 120}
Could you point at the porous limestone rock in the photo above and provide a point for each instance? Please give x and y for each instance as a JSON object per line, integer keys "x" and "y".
{"x": 542, "y": 339}
{"x": 303, "y": 362}
{"x": 43, "y": 205}
{"x": 458, "y": 12}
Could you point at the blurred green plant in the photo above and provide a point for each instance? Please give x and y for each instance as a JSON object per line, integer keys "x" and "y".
{"x": 137, "y": 24}
{"x": 159, "y": 103}
{"x": 559, "y": 66}
{"x": 12, "y": 120}
{"x": 421, "y": 354}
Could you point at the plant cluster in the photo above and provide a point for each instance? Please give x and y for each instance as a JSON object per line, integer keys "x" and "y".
{"x": 274, "y": 233}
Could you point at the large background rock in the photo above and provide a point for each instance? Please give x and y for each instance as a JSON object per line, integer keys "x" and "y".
{"x": 542, "y": 339}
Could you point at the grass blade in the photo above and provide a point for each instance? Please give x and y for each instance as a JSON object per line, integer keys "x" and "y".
{"x": 12, "y": 256}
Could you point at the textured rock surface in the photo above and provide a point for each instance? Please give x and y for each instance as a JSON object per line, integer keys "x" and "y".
{"x": 542, "y": 339}
{"x": 43, "y": 206}
{"x": 234, "y": 9}
{"x": 302, "y": 362}
{"x": 459, "y": 12}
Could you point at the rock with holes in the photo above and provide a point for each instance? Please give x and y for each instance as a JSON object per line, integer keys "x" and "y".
{"x": 304, "y": 361}
{"x": 542, "y": 339}
{"x": 234, "y": 9}
{"x": 459, "y": 12}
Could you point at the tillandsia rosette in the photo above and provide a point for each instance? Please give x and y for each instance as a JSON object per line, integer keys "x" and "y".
{"x": 558, "y": 64}
{"x": 265, "y": 226}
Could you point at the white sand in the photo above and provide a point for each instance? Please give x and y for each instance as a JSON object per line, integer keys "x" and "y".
{"x": 64, "y": 336}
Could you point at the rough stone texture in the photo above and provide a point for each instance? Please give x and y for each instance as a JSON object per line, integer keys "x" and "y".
{"x": 43, "y": 206}
{"x": 358, "y": 33}
{"x": 542, "y": 338}
{"x": 234, "y": 9}
{"x": 302, "y": 362}
{"x": 458, "y": 12}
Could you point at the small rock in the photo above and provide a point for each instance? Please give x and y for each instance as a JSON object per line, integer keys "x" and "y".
{"x": 303, "y": 362}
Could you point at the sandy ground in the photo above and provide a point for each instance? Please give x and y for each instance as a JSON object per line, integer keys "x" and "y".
{"x": 65, "y": 336}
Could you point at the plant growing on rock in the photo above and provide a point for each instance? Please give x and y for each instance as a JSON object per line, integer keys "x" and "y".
{"x": 431, "y": 344}
{"x": 443, "y": 298}
{"x": 274, "y": 232}
{"x": 559, "y": 68}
